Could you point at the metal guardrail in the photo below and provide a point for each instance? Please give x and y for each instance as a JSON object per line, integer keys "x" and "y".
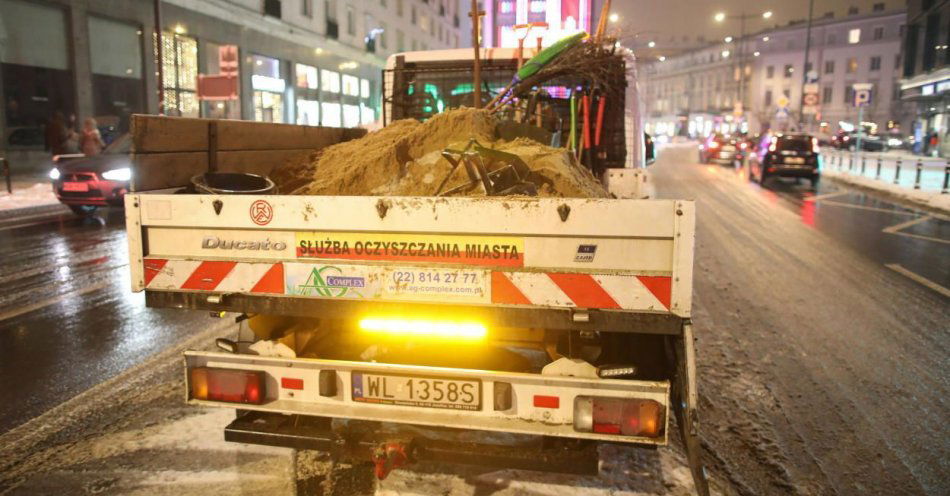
{"x": 856, "y": 163}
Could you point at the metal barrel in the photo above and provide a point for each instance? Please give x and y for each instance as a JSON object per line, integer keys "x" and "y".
{"x": 232, "y": 183}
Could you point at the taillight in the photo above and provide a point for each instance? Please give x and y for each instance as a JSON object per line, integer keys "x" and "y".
{"x": 624, "y": 417}
{"x": 230, "y": 385}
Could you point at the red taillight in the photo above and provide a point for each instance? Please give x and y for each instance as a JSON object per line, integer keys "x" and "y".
{"x": 230, "y": 385}
{"x": 625, "y": 417}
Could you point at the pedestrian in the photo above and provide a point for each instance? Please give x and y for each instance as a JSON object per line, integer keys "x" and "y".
{"x": 56, "y": 134}
{"x": 934, "y": 141}
{"x": 90, "y": 142}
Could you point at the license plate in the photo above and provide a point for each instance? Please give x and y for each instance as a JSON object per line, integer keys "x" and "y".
{"x": 75, "y": 187}
{"x": 794, "y": 160}
{"x": 428, "y": 392}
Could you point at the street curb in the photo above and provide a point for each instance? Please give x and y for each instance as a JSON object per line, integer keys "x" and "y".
{"x": 33, "y": 211}
{"x": 906, "y": 200}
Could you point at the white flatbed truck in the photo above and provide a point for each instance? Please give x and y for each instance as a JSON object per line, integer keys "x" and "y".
{"x": 563, "y": 323}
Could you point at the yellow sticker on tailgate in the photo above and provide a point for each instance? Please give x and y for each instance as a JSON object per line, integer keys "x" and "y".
{"x": 496, "y": 251}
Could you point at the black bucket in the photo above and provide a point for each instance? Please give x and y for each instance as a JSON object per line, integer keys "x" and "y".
{"x": 232, "y": 183}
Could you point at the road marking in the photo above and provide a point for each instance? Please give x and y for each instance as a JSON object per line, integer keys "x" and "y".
{"x": 919, "y": 279}
{"x": 50, "y": 301}
{"x": 825, "y": 196}
{"x": 865, "y": 207}
{"x": 898, "y": 229}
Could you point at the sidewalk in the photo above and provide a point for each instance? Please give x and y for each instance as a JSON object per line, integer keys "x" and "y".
{"x": 31, "y": 196}
{"x": 917, "y": 179}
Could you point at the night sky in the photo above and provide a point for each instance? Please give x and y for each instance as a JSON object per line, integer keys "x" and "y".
{"x": 667, "y": 22}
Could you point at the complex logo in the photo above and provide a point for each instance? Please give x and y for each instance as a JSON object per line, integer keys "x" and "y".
{"x": 261, "y": 212}
{"x": 212, "y": 242}
{"x": 585, "y": 253}
{"x": 322, "y": 283}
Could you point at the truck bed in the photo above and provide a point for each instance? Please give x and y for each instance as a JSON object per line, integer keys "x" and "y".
{"x": 574, "y": 263}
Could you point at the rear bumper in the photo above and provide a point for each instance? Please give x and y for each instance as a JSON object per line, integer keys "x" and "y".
{"x": 507, "y": 402}
{"x": 359, "y": 443}
{"x": 793, "y": 171}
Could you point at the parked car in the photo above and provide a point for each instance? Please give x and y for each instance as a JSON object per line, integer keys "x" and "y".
{"x": 87, "y": 183}
{"x": 786, "y": 155}
{"x": 722, "y": 149}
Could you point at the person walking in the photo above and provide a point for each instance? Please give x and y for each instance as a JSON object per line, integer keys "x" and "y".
{"x": 56, "y": 134}
{"x": 90, "y": 141}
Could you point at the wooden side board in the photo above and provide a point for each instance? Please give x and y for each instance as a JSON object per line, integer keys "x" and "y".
{"x": 169, "y": 151}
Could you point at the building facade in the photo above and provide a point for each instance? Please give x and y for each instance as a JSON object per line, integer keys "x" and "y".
{"x": 757, "y": 83}
{"x": 315, "y": 62}
{"x": 553, "y": 20}
{"x": 925, "y": 82}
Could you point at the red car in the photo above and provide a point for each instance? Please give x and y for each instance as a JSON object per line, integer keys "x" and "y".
{"x": 722, "y": 149}
{"x": 87, "y": 183}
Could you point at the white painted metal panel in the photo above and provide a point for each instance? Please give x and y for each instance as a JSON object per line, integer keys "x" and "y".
{"x": 523, "y": 417}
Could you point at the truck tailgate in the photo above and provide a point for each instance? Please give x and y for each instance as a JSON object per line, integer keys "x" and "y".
{"x": 606, "y": 255}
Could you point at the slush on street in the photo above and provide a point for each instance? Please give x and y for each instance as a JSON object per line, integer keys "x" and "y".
{"x": 475, "y": 247}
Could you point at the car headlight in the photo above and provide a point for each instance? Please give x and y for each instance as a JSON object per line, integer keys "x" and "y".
{"x": 123, "y": 174}
{"x": 54, "y": 173}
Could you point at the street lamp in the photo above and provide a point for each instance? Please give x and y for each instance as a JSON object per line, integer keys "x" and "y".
{"x": 614, "y": 17}
{"x": 743, "y": 17}
{"x": 662, "y": 58}
{"x": 651, "y": 44}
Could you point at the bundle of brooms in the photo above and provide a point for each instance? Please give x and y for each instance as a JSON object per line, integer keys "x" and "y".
{"x": 593, "y": 64}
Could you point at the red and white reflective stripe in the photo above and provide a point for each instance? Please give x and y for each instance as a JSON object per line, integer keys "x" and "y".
{"x": 625, "y": 292}
{"x": 214, "y": 275}
{"x": 621, "y": 292}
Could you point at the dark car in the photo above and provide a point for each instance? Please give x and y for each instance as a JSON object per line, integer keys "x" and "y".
{"x": 722, "y": 149}
{"x": 87, "y": 183}
{"x": 786, "y": 155}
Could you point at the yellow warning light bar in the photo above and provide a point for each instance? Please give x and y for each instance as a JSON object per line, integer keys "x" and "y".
{"x": 424, "y": 328}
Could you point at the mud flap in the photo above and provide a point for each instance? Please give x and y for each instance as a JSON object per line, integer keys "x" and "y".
{"x": 686, "y": 405}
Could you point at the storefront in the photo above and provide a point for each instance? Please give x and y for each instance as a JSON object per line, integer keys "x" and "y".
{"x": 180, "y": 74}
{"x": 117, "y": 85}
{"x": 931, "y": 94}
{"x": 269, "y": 83}
{"x": 308, "y": 95}
{"x": 219, "y": 87}
{"x": 331, "y": 110}
{"x": 37, "y": 80}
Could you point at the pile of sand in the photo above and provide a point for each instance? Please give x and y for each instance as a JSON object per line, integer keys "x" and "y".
{"x": 404, "y": 159}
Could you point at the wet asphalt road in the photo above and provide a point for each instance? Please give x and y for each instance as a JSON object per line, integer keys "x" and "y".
{"x": 68, "y": 319}
{"x": 822, "y": 334}
{"x": 822, "y": 356}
